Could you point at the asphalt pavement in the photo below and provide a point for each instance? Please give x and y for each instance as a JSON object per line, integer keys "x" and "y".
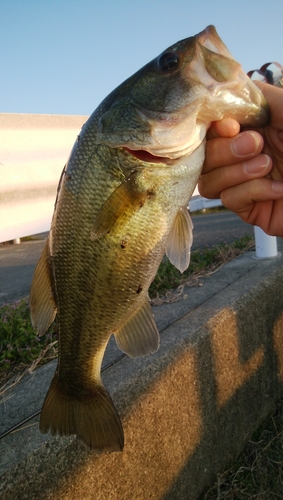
{"x": 218, "y": 227}
{"x": 17, "y": 262}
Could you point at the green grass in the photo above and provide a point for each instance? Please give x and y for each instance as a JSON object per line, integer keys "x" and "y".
{"x": 19, "y": 344}
{"x": 257, "y": 474}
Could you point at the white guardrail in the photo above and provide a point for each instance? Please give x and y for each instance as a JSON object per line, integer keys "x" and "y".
{"x": 33, "y": 152}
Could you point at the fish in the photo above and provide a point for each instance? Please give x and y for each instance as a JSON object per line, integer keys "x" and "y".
{"x": 121, "y": 205}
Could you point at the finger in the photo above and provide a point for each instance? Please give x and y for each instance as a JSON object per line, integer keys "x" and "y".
{"x": 240, "y": 198}
{"x": 228, "y": 127}
{"x": 211, "y": 184}
{"x": 229, "y": 151}
{"x": 258, "y": 202}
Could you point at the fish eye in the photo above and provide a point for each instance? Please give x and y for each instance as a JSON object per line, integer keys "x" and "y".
{"x": 168, "y": 61}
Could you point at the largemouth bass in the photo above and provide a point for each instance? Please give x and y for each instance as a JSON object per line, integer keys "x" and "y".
{"x": 122, "y": 203}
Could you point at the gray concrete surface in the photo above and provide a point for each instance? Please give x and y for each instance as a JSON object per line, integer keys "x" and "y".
{"x": 186, "y": 410}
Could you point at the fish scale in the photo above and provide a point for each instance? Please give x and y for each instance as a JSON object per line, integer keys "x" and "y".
{"x": 122, "y": 202}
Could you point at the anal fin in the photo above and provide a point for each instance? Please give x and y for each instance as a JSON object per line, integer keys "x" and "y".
{"x": 42, "y": 303}
{"x": 139, "y": 335}
{"x": 178, "y": 249}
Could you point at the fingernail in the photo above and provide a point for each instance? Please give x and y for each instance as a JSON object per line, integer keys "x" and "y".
{"x": 277, "y": 187}
{"x": 256, "y": 165}
{"x": 245, "y": 144}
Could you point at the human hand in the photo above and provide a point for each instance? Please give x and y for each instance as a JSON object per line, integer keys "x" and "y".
{"x": 246, "y": 170}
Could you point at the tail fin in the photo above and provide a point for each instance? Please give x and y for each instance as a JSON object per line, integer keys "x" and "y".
{"x": 94, "y": 419}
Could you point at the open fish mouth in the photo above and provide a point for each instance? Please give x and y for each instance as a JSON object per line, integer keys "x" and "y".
{"x": 214, "y": 66}
{"x": 193, "y": 83}
{"x": 146, "y": 156}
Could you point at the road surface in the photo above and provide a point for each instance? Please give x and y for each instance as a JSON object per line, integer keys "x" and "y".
{"x": 219, "y": 227}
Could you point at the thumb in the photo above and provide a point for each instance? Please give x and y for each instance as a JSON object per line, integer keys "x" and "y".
{"x": 227, "y": 127}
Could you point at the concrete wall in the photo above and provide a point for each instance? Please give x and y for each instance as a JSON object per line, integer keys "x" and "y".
{"x": 186, "y": 410}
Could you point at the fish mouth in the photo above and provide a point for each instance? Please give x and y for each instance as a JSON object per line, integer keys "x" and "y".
{"x": 147, "y": 157}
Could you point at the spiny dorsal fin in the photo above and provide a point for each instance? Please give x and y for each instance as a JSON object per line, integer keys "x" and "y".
{"x": 125, "y": 197}
{"x": 178, "y": 249}
{"x": 139, "y": 335}
{"x": 42, "y": 303}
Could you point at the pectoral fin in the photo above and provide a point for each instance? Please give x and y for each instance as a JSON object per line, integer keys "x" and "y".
{"x": 42, "y": 303}
{"x": 123, "y": 201}
{"x": 180, "y": 240}
{"x": 139, "y": 335}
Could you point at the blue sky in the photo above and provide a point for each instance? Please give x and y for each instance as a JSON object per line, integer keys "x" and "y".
{"x": 65, "y": 56}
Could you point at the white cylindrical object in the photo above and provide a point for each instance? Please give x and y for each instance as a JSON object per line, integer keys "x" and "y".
{"x": 266, "y": 246}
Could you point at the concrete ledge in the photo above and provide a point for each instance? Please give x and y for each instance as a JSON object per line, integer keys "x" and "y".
{"x": 186, "y": 411}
